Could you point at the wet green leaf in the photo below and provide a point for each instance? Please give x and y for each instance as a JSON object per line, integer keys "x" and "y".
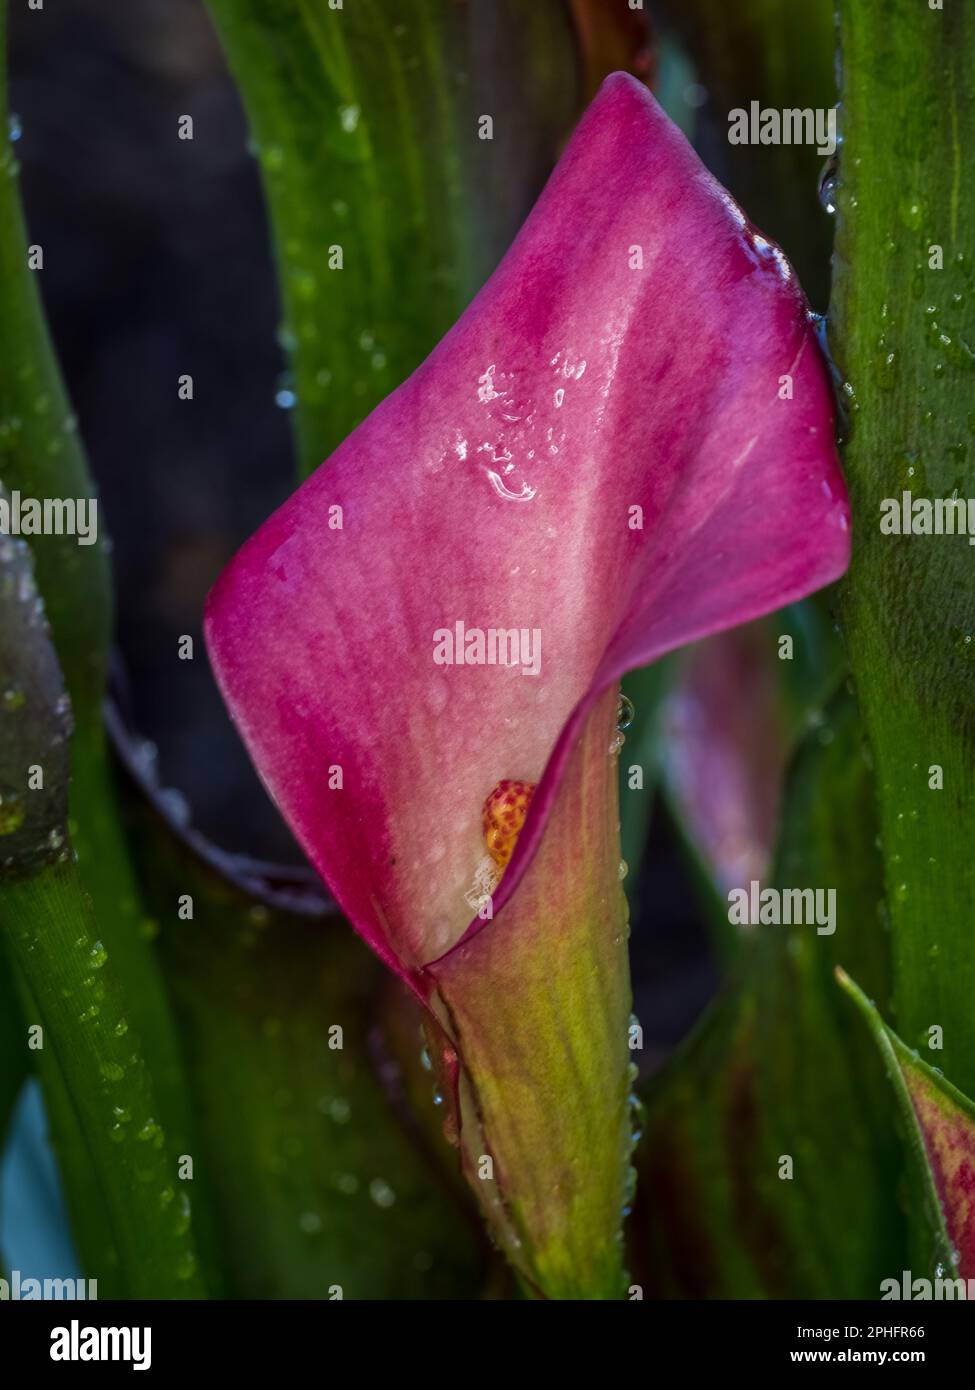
{"x": 902, "y": 331}
{"x": 134, "y": 1225}
{"x": 42, "y": 458}
{"x": 389, "y": 204}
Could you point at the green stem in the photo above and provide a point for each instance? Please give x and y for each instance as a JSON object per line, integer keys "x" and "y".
{"x": 902, "y": 326}
{"x": 41, "y": 456}
{"x": 72, "y": 993}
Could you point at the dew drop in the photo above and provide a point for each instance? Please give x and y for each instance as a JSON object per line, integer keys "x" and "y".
{"x": 887, "y": 373}
{"x": 963, "y": 644}
{"x": 912, "y": 213}
{"x": 625, "y": 713}
{"x": 381, "y": 1193}
{"x": 827, "y": 184}
{"x": 151, "y": 1133}
{"x": 629, "y": 1191}
{"x": 349, "y": 118}
{"x": 182, "y": 1222}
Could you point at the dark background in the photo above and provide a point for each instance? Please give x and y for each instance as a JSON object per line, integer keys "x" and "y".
{"x": 157, "y": 262}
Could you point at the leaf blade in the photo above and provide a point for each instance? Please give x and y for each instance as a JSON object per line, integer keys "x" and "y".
{"x": 368, "y": 136}
{"x": 906, "y": 603}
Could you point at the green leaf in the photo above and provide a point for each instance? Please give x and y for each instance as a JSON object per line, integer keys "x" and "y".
{"x": 367, "y": 126}
{"x": 776, "y": 1072}
{"x": 41, "y": 456}
{"x": 903, "y": 335}
{"x": 104, "y": 1110}
{"x": 317, "y": 1178}
{"x": 69, "y": 983}
{"x": 40, "y": 452}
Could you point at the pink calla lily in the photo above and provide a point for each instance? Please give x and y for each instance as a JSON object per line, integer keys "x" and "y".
{"x": 724, "y": 760}
{"x": 624, "y": 444}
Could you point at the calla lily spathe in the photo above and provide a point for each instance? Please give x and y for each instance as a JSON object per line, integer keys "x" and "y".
{"x": 624, "y": 444}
